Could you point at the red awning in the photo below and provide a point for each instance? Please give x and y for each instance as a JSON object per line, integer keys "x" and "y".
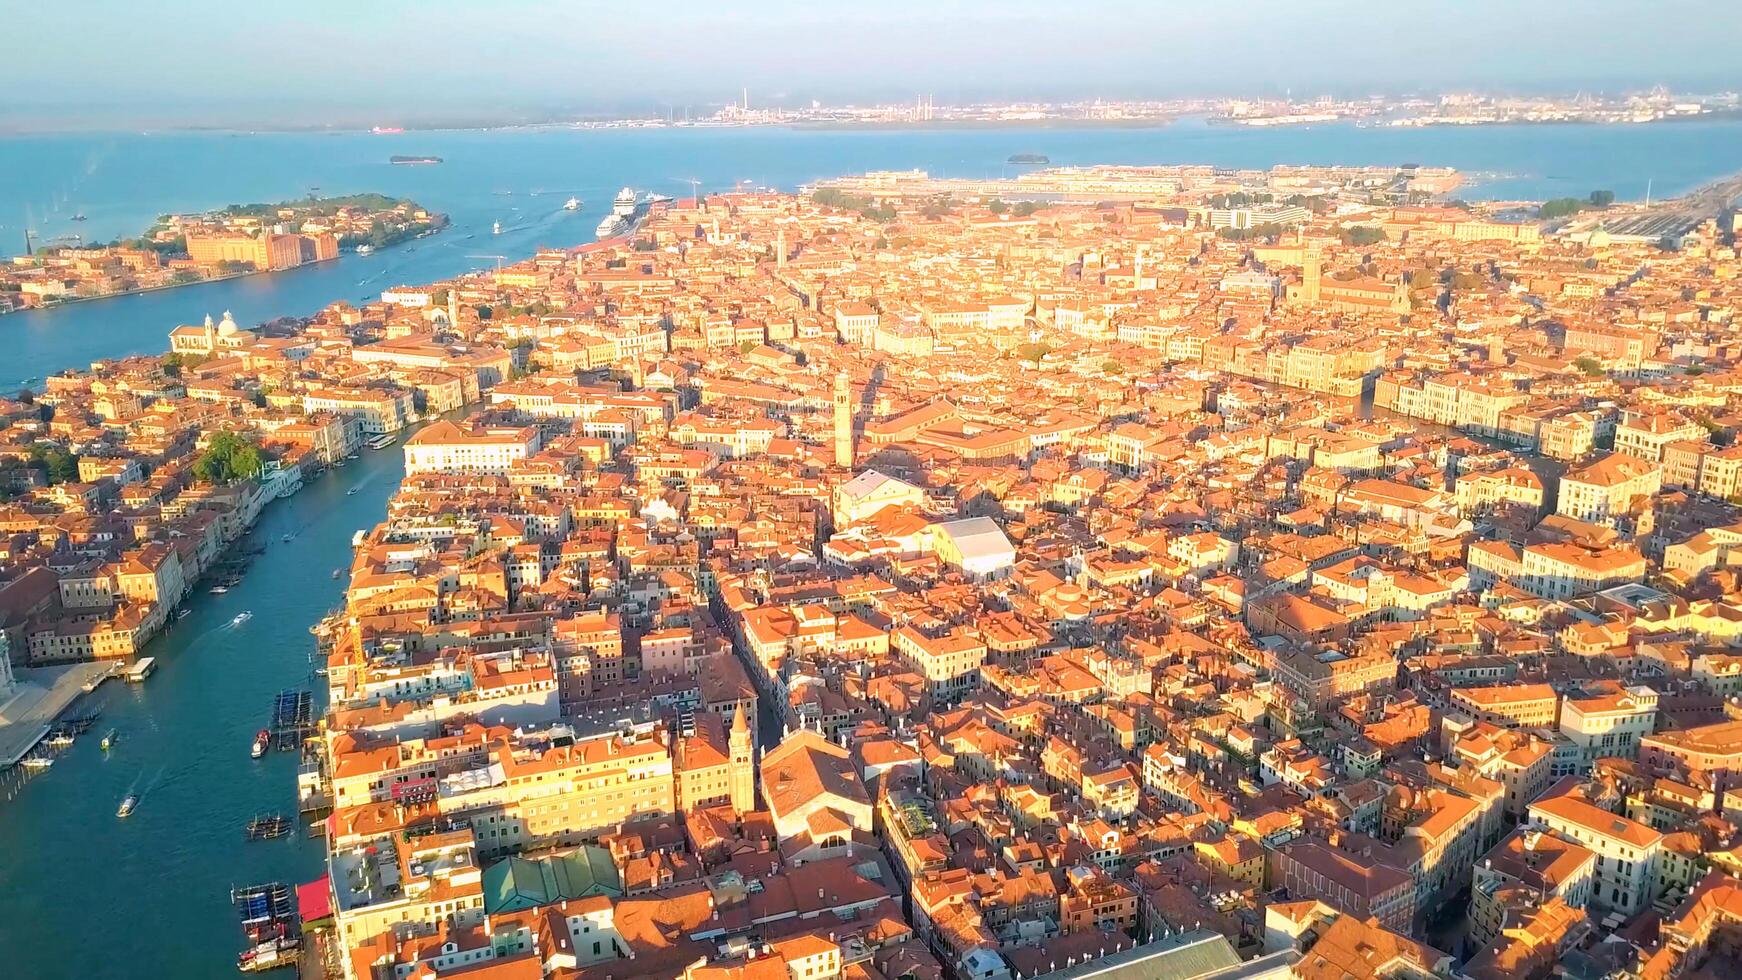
{"x": 314, "y": 900}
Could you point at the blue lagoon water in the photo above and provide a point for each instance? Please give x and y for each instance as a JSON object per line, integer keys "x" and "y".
{"x": 83, "y": 894}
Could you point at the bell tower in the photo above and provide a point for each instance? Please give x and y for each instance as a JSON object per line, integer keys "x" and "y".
{"x": 843, "y": 421}
{"x": 742, "y": 746}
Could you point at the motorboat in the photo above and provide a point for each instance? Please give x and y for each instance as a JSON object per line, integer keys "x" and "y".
{"x": 109, "y": 739}
{"x": 241, "y": 617}
{"x": 572, "y": 204}
{"x": 37, "y": 762}
{"x": 262, "y": 742}
{"x": 269, "y": 955}
{"x": 219, "y": 589}
{"x": 127, "y": 805}
{"x": 496, "y": 228}
{"x": 365, "y": 249}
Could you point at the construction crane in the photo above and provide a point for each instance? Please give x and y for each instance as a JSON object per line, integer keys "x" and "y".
{"x": 695, "y": 187}
{"x": 499, "y": 259}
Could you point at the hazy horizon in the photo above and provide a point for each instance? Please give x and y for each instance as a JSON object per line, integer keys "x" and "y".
{"x": 338, "y": 64}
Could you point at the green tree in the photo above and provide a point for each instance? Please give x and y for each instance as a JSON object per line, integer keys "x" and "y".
{"x": 1025, "y": 208}
{"x": 1602, "y": 199}
{"x": 1560, "y": 207}
{"x": 1033, "y": 353}
{"x": 228, "y": 458}
{"x": 1590, "y": 366}
{"x": 1111, "y": 366}
{"x": 1268, "y": 230}
{"x": 997, "y": 206}
{"x": 1360, "y": 236}
{"x": 57, "y": 464}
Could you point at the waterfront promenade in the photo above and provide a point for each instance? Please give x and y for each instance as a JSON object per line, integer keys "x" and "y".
{"x": 43, "y": 693}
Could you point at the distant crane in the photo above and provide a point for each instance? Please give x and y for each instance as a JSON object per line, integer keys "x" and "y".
{"x": 499, "y": 259}
{"x": 695, "y": 187}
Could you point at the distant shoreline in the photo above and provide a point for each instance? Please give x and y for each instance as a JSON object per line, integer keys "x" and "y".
{"x": 1726, "y": 116}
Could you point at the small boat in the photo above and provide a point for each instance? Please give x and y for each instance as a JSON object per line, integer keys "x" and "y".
{"x": 37, "y": 762}
{"x": 127, "y": 805}
{"x": 572, "y": 204}
{"x": 268, "y": 826}
{"x": 351, "y": 492}
{"x": 496, "y": 228}
{"x": 288, "y": 538}
{"x": 109, "y": 739}
{"x": 262, "y": 742}
{"x": 351, "y": 456}
{"x": 59, "y": 739}
{"x": 79, "y": 217}
{"x": 241, "y": 617}
{"x": 339, "y": 462}
{"x": 365, "y": 249}
{"x": 338, "y": 572}
{"x": 219, "y": 589}
{"x": 181, "y": 614}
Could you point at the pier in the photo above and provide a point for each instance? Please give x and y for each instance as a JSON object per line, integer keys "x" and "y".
{"x": 42, "y": 695}
{"x": 293, "y": 719}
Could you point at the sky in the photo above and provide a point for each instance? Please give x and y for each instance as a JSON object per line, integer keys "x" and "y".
{"x": 320, "y": 62}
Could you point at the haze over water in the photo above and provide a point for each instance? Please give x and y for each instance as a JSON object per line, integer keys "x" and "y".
{"x": 154, "y": 889}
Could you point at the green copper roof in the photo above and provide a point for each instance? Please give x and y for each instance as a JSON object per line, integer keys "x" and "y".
{"x": 522, "y": 883}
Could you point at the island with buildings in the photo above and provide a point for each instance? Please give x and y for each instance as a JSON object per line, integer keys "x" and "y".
{"x": 1167, "y": 572}
{"x": 181, "y": 249}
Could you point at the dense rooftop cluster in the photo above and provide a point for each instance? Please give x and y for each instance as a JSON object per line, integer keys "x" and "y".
{"x": 924, "y": 587}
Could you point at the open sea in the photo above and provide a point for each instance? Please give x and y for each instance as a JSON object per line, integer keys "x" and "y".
{"x": 83, "y": 894}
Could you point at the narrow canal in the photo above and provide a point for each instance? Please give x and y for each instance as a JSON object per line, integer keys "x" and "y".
{"x": 85, "y": 894}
